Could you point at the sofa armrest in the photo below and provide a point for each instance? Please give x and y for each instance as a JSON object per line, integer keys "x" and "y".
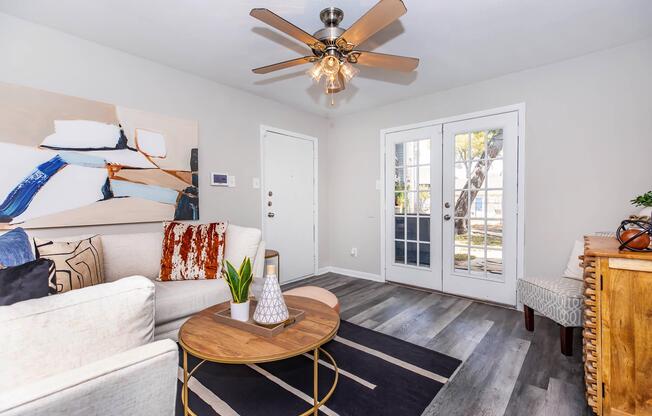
{"x": 259, "y": 261}
{"x": 46, "y": 336}
{"x": 140, "y": 381}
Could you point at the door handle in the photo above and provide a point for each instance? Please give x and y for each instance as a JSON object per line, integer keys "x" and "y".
{"x": 270, "y": 214}
{"x": 447, "y": 217}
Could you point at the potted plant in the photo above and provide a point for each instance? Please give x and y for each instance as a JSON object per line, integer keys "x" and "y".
{"x": 239, "y": 282}
{"x": 644, "y": 201}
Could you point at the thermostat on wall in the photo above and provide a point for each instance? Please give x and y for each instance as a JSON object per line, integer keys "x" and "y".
{"x": 222, "y": 179}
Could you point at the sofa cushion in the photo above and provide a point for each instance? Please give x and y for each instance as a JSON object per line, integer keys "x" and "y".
{"x": 50, "y": 335}
{"x": 558, "y": 299}
{"x": 132, "y": 254}
{"x": 573, "y": 269}
{"x": 192, "y": 252}
{"x": 78, "y": 263}
{"x": 183, "y": 298}
{"x": 241, "y": 242}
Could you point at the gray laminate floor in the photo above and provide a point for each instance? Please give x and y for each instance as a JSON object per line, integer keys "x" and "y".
{"x": 506, "y": 370}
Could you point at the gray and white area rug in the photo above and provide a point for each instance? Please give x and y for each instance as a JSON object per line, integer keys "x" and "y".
{"x": 379, "y": 375}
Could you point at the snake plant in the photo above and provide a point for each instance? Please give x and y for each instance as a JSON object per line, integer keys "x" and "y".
{"x": 644, "y": 200}
{"x": 238, "y": 280}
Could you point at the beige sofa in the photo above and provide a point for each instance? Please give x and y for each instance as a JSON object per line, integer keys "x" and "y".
{"x": 140, "y": 254}
{"x": 102, "y": 350}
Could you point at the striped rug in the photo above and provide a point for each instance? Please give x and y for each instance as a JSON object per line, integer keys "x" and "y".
{"x": 379, "y": 375}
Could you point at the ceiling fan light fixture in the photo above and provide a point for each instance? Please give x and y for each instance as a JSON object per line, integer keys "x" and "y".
{"x": 348, "y": 71}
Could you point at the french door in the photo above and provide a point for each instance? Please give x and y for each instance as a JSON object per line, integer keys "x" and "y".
{"x": 413, "y": 191}
{"x": 465, "y": 195}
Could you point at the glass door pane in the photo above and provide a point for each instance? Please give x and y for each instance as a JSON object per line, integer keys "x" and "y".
{"x": 412, "y": 199}
{"x": 478, "y": 203}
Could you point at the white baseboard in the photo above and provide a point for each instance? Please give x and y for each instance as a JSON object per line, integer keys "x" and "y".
{"x": 351, "y": 273}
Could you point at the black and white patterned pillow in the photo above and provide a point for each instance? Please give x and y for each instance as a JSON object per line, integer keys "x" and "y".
{"x": 78, "y": 264}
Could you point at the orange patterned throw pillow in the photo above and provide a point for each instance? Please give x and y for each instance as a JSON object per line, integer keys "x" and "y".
{"x": 192, "y": 252}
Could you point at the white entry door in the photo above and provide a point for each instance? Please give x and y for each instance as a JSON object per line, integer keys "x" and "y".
{"x": 480, "y": 171}
{"x": 413, "y": 207}
{"x": 289, "y": 202}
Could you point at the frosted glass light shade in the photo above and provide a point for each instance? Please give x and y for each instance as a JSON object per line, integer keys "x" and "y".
{"x": 348, "y": 71}
{"x": 330, "y": 65}
{"x": 315, "y": 72}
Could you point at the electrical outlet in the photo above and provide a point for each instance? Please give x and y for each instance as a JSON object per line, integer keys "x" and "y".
{"x": 354, "y": 252}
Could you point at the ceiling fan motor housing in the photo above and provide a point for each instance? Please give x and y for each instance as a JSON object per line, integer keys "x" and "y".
{"x": 331, "y": 16}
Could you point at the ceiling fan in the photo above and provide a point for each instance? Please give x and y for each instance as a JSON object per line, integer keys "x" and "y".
{"x": 334, "y": 49}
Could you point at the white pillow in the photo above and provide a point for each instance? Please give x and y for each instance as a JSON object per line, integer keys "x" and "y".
{"x": 573, "y": 269}
{"x": 82, "y": 134}
{"x": 241, "y": 242}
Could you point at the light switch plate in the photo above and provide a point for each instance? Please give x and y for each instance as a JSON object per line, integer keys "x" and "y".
{"x": 256, "y": 183}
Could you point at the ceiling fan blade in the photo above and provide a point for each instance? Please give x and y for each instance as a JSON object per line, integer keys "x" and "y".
{"x": 285, "y": 64}
{"x": 377, "y": 18}
{"x": 382, "y": 60}
{"x": 276, "y": 21}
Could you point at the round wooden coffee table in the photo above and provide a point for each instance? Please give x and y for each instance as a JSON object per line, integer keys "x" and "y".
{"x": 209, "y": 340}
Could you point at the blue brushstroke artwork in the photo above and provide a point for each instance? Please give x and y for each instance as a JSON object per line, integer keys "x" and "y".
{"x": 21, "y": 196}
{"x": 151, "y": 192}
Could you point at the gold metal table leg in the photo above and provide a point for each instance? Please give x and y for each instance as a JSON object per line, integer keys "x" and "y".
{"x": 315, "y": 381}
{"x": 314, "y": 410}
{"x": 184, "y": 391}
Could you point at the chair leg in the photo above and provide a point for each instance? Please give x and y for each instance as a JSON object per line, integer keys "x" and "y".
{"x": 528, "y": 313}
{"x": 566, "y": 339}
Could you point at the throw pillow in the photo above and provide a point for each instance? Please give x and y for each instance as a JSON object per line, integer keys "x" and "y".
{"x": 192, "y": 252}
{"x": 573, "y": 269}
{"x": 31, "y": 280}
{"x": 15, "y": 248}
{"x": 78, "y": 263}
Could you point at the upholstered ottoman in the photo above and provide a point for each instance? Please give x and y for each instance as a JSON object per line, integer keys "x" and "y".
{"x": 316, "y": 293}
{"x": 558, "y": 299}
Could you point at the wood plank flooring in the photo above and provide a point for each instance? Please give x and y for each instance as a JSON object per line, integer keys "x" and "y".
{"x": 506, "y": 370}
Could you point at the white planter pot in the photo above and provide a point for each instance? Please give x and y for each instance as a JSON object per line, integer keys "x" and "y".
{"x": 645, "y": 212}
{"x": 240, "y": 311}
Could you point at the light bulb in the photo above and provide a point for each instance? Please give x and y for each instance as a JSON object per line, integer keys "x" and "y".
{"x": 330, "y": 65}
{"x": 315, "y": 72}
{"x": 348, "y": 71}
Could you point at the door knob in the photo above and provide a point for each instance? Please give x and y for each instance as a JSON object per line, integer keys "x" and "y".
{"x": 447, "y": 217}
{"x": 270, "y": 214}
{"x": 447, "y": 205}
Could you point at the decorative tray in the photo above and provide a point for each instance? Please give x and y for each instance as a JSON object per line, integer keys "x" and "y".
{"x": 224, "y": 316}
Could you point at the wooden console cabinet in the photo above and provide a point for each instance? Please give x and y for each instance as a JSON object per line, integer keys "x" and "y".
{"x": 617, "y": 329}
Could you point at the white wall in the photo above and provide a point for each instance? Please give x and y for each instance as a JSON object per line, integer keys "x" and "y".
{"x": 588, "y": 146}
{"x": 229, "y": 119}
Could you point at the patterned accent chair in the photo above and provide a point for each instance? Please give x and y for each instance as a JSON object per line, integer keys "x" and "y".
{"x": 559, "y": 299}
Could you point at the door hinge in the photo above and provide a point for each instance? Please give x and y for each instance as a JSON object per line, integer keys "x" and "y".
{"x": 603, "y": 391}
{"x": 601, "y": 282}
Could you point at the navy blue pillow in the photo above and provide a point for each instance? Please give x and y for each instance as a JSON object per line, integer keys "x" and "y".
{"x": 15, "y": 248}
{"x": 32, "y": 280}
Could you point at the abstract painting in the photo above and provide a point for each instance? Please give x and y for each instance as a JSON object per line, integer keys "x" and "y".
{"x": 69, "y": 161}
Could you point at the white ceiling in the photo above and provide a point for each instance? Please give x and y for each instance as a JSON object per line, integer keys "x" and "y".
{"x": 459, "y": 41}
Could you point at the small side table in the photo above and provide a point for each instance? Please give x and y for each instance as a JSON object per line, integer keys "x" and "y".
{"x": 270, "y": 254}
